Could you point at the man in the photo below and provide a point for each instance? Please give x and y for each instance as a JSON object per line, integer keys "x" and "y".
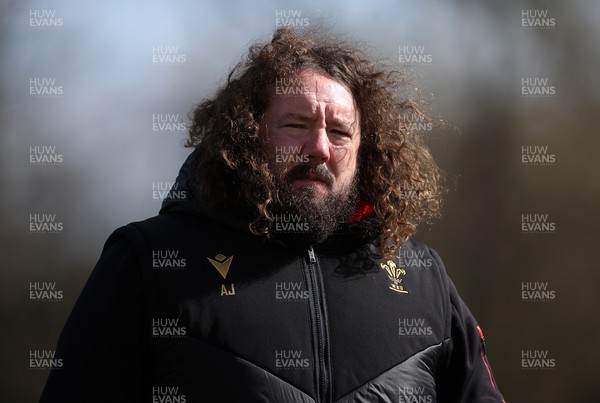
{"x": 279, "y": 268}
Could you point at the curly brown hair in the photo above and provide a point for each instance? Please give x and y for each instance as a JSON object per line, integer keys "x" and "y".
{"x": 397, "y": 174}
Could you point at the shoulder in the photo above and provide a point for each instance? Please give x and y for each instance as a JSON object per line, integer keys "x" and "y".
{"x": 427, "y": 269}
{"x": 160, "y": 228}
{"x": 161, "y": 232}
{"x": 165, "y": 221}
{"x": 418, "y": 255}
{"x": 186, "y": 236}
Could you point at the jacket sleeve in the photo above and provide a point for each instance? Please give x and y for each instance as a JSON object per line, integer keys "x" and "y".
{"x": 468, "y": 375}
{"x": 101, "y": 343}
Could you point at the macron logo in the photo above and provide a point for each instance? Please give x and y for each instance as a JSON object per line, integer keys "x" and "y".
{"x": 221, "y": 263}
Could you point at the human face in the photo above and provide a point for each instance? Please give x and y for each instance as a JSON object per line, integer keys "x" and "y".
{"x": 312, "y": 122}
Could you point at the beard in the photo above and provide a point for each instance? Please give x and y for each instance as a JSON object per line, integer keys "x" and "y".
{"x": 305, "y": 214}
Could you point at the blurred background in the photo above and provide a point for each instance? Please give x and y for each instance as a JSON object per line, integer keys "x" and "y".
{"x": 94, "y": 101}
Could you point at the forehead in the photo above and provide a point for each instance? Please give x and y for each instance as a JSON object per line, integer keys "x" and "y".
{"x": 313, "y": 93}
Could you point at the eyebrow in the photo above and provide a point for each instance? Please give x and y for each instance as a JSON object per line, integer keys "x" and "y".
{"x": 296, "y": 116}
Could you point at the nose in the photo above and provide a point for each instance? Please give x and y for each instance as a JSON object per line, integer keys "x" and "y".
{"x": 317, "y": 146}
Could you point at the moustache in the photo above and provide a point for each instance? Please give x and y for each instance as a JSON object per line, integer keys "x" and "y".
{"x": 306, "y": 170}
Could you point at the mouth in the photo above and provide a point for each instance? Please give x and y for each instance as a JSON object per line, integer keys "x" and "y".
{"x": 308, "y": 175}
{"x": 310, "y": 180}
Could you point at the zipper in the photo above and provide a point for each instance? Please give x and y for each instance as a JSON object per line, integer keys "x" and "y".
{"x": 320, "y": 329}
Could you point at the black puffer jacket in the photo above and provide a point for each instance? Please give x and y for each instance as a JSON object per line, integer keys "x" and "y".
{"x": 189, "y": 307}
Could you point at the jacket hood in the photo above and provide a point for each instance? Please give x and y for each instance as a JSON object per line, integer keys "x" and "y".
{"x": 185, "y": 197}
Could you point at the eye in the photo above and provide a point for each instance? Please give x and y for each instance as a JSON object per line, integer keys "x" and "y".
{"x": 295, "y": 125}
{"x": 340, "y": 133}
